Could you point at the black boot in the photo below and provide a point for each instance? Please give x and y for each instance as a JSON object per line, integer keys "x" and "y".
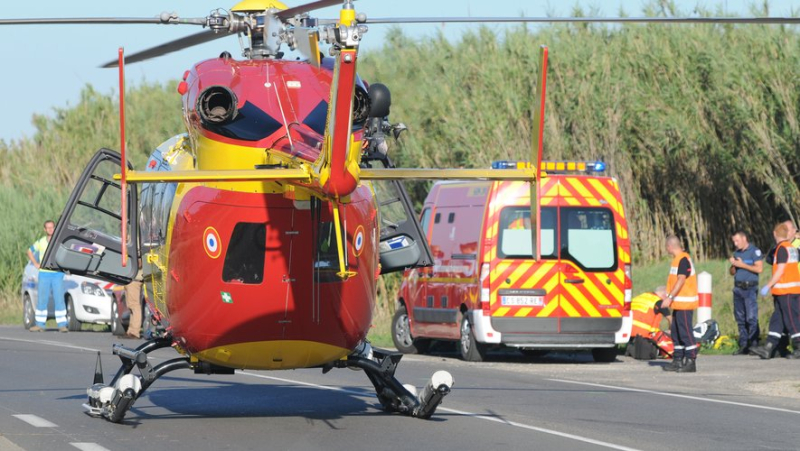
{"x": 796, "y": 352}
{"x": 765, "y": 352}
{"x": 742, "y": 351}
{"x": 689, "y": 366}
{"x": 674, "y": 365}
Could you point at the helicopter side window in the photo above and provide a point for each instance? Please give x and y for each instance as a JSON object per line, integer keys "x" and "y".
{"x": 244, "y": 261}
{"x": 167, "y": 197}
{"x": 326, "y": 259}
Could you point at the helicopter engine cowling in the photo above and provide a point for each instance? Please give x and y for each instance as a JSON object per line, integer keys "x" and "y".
{"x": 216, "y": 105}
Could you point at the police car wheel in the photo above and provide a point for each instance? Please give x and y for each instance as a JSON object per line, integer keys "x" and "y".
{"x": 72, "y": 322}
{"x": 116, "y": 323}
{"x": 28, "y": 314}
{"x": 401, "y": 332}
{"x": 468, "y": 346}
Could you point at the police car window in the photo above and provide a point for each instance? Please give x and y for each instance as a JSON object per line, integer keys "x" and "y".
{"x": 515, "y": 233}
{"x": 588, "y": 238}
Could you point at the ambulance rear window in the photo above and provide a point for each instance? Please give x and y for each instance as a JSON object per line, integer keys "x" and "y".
{"x": 515, "y": 233}
{"x": 588, "y": 238}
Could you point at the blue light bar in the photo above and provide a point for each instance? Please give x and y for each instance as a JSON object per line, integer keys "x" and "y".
{"x": 504, "y": 164}
{"x": 599, "y": 166}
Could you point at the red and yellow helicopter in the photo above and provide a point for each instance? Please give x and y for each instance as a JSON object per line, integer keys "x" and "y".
{"x": 262, "y": 230}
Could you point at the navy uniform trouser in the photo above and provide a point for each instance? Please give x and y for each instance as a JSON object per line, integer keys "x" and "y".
{"x": 785, "y": 317}
{"x": 745, "y": 310}
{"x": 683, "y": 335}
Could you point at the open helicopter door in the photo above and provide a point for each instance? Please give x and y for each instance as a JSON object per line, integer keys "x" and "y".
{"x": 403, "y": 243}
{"x": 87, "y": 239}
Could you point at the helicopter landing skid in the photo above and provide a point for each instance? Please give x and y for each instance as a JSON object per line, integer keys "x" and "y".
{"x": 114, "y": 400}
{"x": 380, "y": 366}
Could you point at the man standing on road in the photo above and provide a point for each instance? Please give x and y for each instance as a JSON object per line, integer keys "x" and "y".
{"x": 682, "y": 298}
{"x": 133, "y": 294}
{"x": 785, "y": 288}
{"x": 51, "y": 283}
{"x": 746, "y": 264}
{"x": 783, "y": 343}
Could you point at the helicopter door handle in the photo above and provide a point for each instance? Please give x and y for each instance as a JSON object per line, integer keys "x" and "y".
{"x": 573, "y": 280}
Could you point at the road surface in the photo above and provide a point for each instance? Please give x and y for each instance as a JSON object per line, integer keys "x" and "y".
{"x": 561, "y": 402}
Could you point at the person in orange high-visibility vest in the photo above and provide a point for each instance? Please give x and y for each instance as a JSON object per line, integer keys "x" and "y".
{"x": 682, "y": 298}
{"x": 785, "y": 288}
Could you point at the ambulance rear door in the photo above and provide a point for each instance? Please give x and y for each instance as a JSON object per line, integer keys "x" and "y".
{"x": 524, "y": 293}
{"x": 592, "y": 280}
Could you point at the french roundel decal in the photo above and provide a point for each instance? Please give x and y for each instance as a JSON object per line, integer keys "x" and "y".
{"x": 211, "y": 242}
{"x": 358, "y": 241}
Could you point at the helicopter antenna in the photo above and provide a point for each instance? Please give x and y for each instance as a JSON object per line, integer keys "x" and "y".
{"x": 536, "y": 151}
{"x": 124, "y": 173}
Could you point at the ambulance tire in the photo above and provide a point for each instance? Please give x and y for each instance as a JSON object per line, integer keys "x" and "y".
{"x": 604, "y": 355}
{"x": 468, "y": 347}
{"x": 401, "y": 334}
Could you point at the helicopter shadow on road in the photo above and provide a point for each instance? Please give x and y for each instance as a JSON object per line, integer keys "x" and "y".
{"x": 234, "y": 399}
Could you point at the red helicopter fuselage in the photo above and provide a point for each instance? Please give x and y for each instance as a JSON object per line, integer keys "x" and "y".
{"x": 246, "y": 274}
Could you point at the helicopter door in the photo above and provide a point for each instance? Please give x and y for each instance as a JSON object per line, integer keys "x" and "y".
{"x": 402, "y": 241}
{"x": 87, "y": 239}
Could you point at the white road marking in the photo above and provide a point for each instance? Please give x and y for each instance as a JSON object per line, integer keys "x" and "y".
{"x": 89, "y": 447}
{"x": 50, "y": 343}
{"x": 677, "y": 395}
{"x": 457, "y": 412}
{"x": 538, "y": 429}
{"x": 35, "y": 421}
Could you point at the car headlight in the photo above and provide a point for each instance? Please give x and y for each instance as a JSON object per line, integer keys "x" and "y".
{"x": 91, "y": 289}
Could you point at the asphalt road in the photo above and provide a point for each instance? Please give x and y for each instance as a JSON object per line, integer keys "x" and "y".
{"x": 562, "y": 402}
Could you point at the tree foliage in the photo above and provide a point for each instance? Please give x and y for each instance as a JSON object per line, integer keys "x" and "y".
{"x": 698, "y": 123}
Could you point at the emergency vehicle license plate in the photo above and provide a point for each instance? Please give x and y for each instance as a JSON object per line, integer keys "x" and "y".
{"x": 528, "y": 301}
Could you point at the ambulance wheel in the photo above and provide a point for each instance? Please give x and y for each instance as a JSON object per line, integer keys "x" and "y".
{"x": 28, "y": 314}
{"x": 604, "y": 355}
{"x": 468, "y": 346}
{"x": 401, "y": 333}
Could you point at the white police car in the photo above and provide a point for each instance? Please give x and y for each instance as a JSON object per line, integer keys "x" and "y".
{"x": 87, "y": 300}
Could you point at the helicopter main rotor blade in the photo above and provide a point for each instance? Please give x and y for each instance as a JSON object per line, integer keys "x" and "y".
{"x": 169, "y": 47}
{"x": 163, "y": 19}
{"x": 291, "y": 12}
{"x": 688, "y": 20}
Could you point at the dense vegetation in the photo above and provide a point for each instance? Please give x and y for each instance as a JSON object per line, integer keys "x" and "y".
{"x": 699, "y": 124}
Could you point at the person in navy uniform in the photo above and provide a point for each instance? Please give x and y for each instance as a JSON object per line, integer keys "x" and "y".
{"x": 746, "y": 264}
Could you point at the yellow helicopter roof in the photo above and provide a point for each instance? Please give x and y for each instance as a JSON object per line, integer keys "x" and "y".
{"x": 258, "y": 5}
